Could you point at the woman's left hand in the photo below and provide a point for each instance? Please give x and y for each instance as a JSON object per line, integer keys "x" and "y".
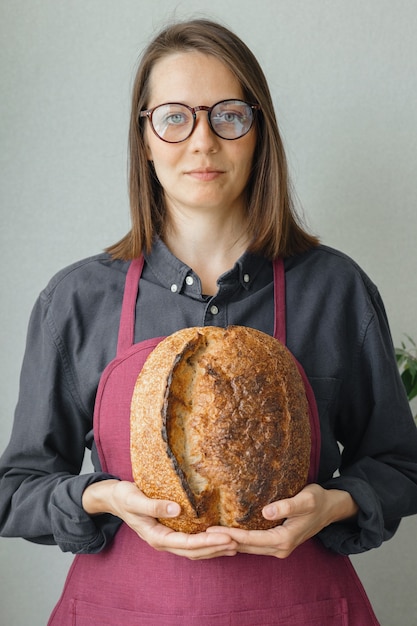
{"x": 304, "y": 516}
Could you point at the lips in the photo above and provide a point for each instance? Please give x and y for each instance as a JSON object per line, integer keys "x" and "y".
{"x": 205, "y": 173}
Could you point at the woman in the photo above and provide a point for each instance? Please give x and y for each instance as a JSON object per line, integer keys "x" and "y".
{"x": 214, "y": 241}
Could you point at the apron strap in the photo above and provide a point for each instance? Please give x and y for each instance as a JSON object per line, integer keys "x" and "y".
{"x": 127, "y": 317}
{"x": 279, "y": 301}
{"x": 281, "y": 335}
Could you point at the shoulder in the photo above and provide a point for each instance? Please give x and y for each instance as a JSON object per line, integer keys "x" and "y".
{"x": 85, "y": 294}
{"x": 89, "y": 276}
{"x": 324, "y": 267}
{"x": 328, "y": 285}
{"x": 89, "y": 269}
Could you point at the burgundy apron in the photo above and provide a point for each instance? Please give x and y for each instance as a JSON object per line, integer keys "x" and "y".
{"x": 129, "y": 583}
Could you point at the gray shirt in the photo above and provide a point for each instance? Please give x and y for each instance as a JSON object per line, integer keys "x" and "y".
{"x": 336, "y": 328}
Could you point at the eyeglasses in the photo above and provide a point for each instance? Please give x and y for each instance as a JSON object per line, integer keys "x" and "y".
{"x": 174, "y": 122}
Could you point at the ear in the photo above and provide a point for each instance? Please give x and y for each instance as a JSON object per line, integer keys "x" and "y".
{"x": 148, "y": 152}
{"x": 146, "y": 142}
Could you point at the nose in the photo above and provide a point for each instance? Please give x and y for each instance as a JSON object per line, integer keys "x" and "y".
{"x": 203, "y": 138}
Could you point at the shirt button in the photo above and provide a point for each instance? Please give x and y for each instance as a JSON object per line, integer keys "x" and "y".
{"x": 246, "y": 278}
{"x": 214, "y": 310}
{"x": 189, "y": 280}
{"x": 174, "y": 288}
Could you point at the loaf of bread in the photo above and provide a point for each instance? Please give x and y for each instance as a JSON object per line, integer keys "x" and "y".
{"x": 220, "y": 424}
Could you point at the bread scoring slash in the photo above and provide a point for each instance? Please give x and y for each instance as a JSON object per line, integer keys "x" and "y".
{"x": 220, "y": 424}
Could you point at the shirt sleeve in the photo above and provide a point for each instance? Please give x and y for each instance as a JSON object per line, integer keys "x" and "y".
{"x": 378, "y": 437}
{"x": 40, "y": 484}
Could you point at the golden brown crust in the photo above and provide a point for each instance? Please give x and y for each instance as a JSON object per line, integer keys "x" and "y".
{"x": 219, "y": 424}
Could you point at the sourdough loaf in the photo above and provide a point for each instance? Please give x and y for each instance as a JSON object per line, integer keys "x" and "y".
{"x": 220, "y": 424}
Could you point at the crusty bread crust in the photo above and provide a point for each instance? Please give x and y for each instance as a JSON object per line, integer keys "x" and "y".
{"x": 220, "y": 424}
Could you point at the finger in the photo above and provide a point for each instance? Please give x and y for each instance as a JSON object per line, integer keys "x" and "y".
{"x": 167, "y": 509}
{"x": 196, "y": 546}
{"x": 255, "y": 538}
{"x": 278, "y": 511}
{"x": 138, "y": 503}
{"x": 198, "y": 541}
{"x": 302, "y": 503}
{"x": 206, "y": 553}
{"x": 275, "y": 542}
{"x": 277, "y": 552}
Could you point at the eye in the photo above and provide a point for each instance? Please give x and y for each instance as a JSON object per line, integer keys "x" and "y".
{"x": 229, "y": 117}
{"x": 169, "y": 117}
{"x": 175, "y": 119}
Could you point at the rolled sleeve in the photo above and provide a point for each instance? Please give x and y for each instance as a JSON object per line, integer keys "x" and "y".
{"x": 367, "y": 530}
{"x": 72, "y": 528}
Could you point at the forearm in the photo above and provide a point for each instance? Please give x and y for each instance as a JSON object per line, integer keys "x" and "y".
{"x": 98, "y": 497}
{"x": 341, "y": 506}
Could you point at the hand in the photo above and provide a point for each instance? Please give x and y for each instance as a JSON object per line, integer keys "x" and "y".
{"x": 125, "y": 500}
{"x": 304, "y": 516}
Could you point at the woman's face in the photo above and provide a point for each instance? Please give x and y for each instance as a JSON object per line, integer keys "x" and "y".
{"x": 204, "y": 173}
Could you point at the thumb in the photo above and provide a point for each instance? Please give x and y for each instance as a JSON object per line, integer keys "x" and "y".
{"x": 135, "y": 501}
{"x": 169, "y": 509}
{"x": 160, "y": 508}
{"x": 277, "y": 510}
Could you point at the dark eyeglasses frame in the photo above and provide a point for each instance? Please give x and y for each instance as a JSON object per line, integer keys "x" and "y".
{"x": 193, "y": 110}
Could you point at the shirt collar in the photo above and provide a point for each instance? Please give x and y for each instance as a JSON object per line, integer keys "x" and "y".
{"x": 179, "y": 277}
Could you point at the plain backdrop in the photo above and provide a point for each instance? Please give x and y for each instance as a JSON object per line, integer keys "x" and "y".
{"x": 344, "y": 80}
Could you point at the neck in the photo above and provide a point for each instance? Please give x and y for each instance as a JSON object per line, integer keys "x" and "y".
{"x": 208, "y": 245}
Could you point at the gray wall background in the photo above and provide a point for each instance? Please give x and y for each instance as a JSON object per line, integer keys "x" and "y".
{"x": 344, "y": 79}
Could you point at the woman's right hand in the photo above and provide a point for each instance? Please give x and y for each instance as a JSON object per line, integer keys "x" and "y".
{"x": 126, "y": 501}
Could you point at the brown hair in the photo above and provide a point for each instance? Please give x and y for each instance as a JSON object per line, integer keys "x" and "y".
{"x": 272, "y": 222}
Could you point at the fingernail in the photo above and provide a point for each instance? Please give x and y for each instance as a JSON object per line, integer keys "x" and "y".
{"x": 269, "y": 511}
{"x": 173, "y": 509}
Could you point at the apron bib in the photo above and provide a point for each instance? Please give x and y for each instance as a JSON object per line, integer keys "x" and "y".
{"x": 131, "y": 584}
